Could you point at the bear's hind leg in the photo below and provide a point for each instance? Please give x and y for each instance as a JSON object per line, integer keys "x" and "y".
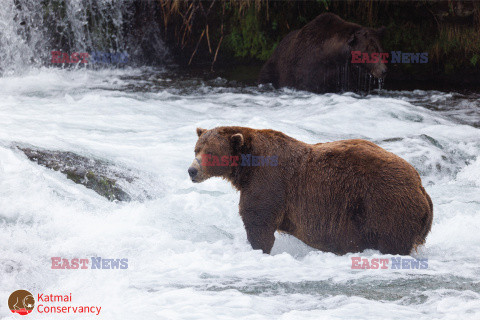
{"x": 388, "y": 245}
{"x": 268, "y": 74}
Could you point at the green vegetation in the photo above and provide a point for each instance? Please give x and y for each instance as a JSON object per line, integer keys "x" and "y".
{"x": 247, "y": 30}
{"x": 247, "y": 38}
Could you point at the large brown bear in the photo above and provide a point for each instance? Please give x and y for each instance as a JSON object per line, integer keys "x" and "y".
{"x": 343, "y": 196}
{"x": 318, "y": 57}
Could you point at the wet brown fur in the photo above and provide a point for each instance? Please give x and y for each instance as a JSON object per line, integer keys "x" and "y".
{"x": 310, "y": 58}
{"x": 342, "y": 196}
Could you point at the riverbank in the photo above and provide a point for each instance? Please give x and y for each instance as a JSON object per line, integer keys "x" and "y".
{"x": 223, "y": 34}
{"x": 247, "y": 74}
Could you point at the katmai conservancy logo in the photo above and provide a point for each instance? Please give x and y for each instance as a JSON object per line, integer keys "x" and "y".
{"x": 21, "y": 302}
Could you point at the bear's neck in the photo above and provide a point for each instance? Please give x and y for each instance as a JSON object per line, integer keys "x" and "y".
{"x": 265, "y": 143}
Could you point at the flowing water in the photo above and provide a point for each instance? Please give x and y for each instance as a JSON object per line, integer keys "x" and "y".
{"x": 188, "y": 256}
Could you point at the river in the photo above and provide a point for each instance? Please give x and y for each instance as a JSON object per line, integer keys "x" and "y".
{"x": 188, "y": 256}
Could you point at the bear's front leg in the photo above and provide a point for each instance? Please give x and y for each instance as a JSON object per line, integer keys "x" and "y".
{"x": 258, "y": 211}
{"x": 260, "y": 236}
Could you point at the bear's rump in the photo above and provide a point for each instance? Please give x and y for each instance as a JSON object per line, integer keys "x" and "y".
{"x": 348, "y": 213}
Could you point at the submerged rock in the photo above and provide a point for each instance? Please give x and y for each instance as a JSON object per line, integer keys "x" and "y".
{"x": 98, "y": 175}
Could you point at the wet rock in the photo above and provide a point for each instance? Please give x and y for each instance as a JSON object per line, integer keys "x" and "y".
{"x": 98, "y": 175}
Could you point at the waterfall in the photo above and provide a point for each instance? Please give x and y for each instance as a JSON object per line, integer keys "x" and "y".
{"x": 31, "y": 29}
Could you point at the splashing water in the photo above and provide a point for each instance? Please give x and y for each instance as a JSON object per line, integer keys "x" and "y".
{"x": 31, "y": 29}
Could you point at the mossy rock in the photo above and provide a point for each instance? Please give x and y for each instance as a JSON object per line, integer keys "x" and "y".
{"x": 92, "y": 173}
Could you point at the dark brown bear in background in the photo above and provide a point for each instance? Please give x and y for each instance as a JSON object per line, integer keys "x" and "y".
{"x": 318, "y": 57}
{"x": 343, "y": 196}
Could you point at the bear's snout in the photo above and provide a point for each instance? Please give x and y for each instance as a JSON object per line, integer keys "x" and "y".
{"x": 192, "y": 172}
{"x": 196, "y": 172}
{"x": 379, "y": 71}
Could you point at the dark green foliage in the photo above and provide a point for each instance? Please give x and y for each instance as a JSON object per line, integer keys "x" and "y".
{"x": 248, "y": 39}
{"x": 450, "y": 34}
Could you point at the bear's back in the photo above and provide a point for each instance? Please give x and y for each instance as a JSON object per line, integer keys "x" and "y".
{"x": 326, "y": 26}
{"x": 364, "y": 158}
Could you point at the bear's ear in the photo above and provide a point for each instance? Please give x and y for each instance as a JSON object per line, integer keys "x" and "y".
{"x": 381, "y": 31}
{"x": 237, "y": 140}
{"x": 361, "y": 33}
{"x": 200, "y": 131}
